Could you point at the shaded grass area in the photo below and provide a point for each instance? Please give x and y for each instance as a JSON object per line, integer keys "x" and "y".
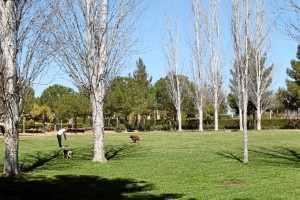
{"x": 166, "y": 165}
{"x": 76, "y": 187}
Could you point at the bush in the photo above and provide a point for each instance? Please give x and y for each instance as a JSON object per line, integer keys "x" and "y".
{"x": 120, "y": 128}
{"x": 130, "y": 127}
{"x": 30, "y": 124}
{"x": 156, "y": 127}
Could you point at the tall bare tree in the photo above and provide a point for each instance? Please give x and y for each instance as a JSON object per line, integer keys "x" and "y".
{"x": 260, "y": 75}
{"x": 212, "y": 24}
{"x": 95, "y": 40}
{"x": 241, "y": 37}
{"x": 175, "y": 81}
{"x": 9, "y": 91}
{"x": 24, "y": 54}
{"x": 197, "y": 67}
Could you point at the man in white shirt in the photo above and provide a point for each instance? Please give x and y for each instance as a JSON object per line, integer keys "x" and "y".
{"x": 59, "y": 134}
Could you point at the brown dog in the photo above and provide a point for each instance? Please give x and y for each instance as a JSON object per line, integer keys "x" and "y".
{"x": 135, "y": 138}
{"x": 67, "y": 154}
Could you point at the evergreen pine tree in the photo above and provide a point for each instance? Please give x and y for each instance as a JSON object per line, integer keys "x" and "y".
{"x": 292, "y": 97}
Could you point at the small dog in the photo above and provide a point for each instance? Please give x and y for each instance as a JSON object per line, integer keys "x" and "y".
{"x": 67, "y": 154}
{"x": 135, "y": 138}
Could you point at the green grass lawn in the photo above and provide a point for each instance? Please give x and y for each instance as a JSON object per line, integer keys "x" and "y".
{"x": 166, "y": 165}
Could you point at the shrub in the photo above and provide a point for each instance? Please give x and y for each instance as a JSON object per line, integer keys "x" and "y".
{"x": 156, "y": 127}
{"x": 30, "y": 124}
{"x": 120, "y": 128}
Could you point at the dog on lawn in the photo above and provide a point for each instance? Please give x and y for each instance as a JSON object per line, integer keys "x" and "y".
{"x": 67, "y": 153}
{"x": 135, "y": 138}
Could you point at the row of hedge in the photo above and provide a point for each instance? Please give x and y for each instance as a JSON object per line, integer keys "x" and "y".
{"x": 187, "y": 124}
{"x": 32, "y": 125}
{"x": 193, "y": 124}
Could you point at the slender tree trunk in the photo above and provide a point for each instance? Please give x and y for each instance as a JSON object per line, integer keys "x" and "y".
{"x": 44, "y": 123}
{"x": 10, "y": 93}
{"x": 179, "y": 105}
{"x": 258, "y": 125}
{"x": 216, "y": 114}
{"x": 245, "y": 81}
{"x": 24, "y": 124}
{"x": 241, "y": 118}
{"x": 246, "y": 160}
{"x": 179, "y": 121}
{"x": 54, "y": 123}
{"x": 200, "y": 113}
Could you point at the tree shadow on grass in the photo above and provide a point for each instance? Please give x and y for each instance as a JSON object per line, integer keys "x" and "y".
{"x": 77, "y": 187}
{"x": 41, "y": 160}
{"x": 117, "y": 152}
{"x": 230, "y": 155}
{"x": 276, "y": 156}
{"x": 279, "y": 156}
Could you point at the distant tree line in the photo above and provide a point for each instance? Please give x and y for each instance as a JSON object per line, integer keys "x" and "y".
{"x": 134, "y": 103}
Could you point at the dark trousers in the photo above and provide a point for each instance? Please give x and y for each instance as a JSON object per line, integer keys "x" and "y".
{"x": 59, "y": 140}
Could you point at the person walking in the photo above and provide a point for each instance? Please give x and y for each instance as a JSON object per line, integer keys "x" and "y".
{"x": 59, "y": 135}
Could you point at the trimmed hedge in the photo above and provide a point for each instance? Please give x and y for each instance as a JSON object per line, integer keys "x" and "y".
{"x": 187, "y": 124}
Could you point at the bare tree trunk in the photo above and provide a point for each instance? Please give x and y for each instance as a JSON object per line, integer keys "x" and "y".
{"x": 200, "y": 117}
{"x": 241, "y": 119}
{"x": 259, "y": 113}
{"x": 245, "y": 79}
{"x": 54, "y": 123}
{"x": 24, "y": 124}
{"x": 174, "y": 78}
{"x": 197, "y": 67}
{"x": 98, "y": 129}
{"x": 216, "y": 114}
{"x": 10, "y": 90}
{"x": 260, "y": 75}
{"x": 240, "y": 31}
{"x": 213, "y": 36}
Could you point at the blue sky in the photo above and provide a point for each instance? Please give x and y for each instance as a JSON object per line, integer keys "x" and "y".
{"x": 153, "y": 27}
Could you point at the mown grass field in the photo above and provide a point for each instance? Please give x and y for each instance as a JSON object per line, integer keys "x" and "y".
{"x": 166, "y": 165}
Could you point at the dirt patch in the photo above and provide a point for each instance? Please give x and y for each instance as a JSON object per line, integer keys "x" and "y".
{"x": 233, "y": 183}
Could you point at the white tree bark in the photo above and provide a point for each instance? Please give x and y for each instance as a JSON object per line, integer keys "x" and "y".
{"x": 24, "y": 38}
{"x": 260, "y": 80}
{"x": 174, "y": 78}
{"x": 95, "y": 41}
{"x": 197, "y": 66}
{"x": 213, "y": 36}
{"x": 9, "y": 97}
{"x": 240, "y": 32}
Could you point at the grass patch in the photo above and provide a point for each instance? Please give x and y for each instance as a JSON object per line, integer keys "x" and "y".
{"x": 166, "y": 165}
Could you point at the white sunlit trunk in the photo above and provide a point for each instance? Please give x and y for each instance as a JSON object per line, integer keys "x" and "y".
{"x": 241, "y": 118}
{"x": 200, "y": 113}
{"x": 245, "y": 79}
{"x": 98, "y": 128}
{"x": 197, "y": 65}
{"x": 259, "y": 73}
{"x": 213, "y": 36}
{"x": 174, "y": 79}
{"x": 24, "y": 33}
{"x": 9, "y": 96}
{"x": 240, "y": 32}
